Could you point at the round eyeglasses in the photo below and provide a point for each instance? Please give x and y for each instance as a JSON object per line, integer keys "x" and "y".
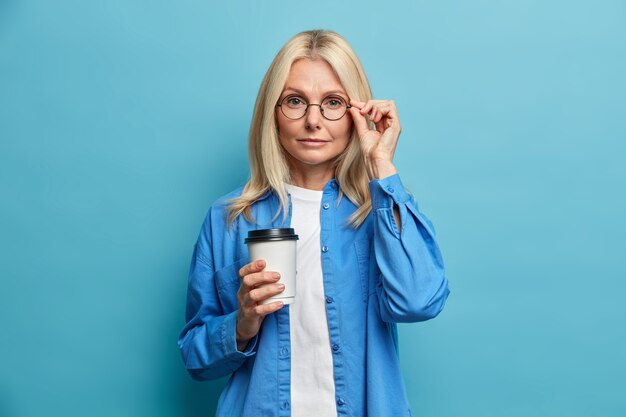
{"x": 294, "y": 107}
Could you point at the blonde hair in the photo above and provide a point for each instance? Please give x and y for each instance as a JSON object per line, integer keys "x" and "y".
{"x": 268, "y": 167}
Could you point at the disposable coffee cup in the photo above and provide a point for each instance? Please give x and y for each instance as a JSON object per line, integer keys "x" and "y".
{"x": 278, "y": 248}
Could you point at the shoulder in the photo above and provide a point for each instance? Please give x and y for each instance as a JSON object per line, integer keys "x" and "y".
{"x": 224, "y": 201}
{"x": 218, "y": 211}
{"x": 215, "y": 223}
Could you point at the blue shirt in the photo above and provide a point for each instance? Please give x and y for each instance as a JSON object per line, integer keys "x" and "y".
{"x": 374, "y": 277}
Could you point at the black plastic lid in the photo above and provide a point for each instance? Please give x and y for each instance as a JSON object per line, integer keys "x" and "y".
{"x": 266, "y": 235}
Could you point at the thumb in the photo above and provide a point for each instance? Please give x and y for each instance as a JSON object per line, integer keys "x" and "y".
{"x": 360, "y": 123}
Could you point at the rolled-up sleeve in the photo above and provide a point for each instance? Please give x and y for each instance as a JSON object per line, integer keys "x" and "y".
{"x": 412, "y": 285}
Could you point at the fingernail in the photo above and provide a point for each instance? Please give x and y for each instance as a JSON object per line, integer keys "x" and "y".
{"x": 259, "y": 263}
{"x": 276, "y": 275}
{"x": 281, "y": 286}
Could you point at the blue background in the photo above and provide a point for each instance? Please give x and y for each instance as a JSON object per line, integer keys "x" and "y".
{"x": 122, "y": 121}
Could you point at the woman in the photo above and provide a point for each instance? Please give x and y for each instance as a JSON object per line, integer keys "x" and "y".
{"x": 367, "y": 258}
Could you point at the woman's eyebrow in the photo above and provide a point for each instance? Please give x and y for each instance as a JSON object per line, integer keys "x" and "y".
{"x": 326, "y": 94}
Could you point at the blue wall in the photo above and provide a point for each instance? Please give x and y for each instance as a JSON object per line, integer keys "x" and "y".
{"x": 122, "y": 121}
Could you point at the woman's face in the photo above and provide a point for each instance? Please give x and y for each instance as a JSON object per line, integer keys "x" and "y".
{"x": 313, "y": 142}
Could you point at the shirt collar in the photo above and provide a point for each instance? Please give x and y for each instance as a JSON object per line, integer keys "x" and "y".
{"x": 331, "y": 186}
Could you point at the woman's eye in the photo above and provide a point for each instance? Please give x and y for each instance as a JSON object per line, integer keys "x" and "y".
{"x": 295, "y": 101}
{"x": 334, "y": 102}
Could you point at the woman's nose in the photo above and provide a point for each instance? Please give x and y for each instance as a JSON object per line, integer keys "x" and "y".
{"x": 313, "y": 115}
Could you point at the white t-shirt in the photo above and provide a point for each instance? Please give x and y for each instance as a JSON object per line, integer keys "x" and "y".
{"x": 312, "y": 382}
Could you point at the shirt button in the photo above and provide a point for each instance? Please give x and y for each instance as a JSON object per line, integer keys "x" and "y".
{"x": 326, "y": 206}
{"x": 335, "y": 347}
{"x": 333, "y": 185}
{"x": 285, "y": 405}
{"x": 340, "y": 401}
{"x": 329, "y": 300}
{"x": 284, "y": 351}
{"x": 390, "y": 189}
{"x": 324, "y": 249}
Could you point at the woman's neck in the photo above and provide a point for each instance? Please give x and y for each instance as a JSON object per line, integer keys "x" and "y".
{"x": 311, "y": 177}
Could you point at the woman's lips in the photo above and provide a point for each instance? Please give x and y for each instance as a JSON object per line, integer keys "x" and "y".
{"x": 313, "y": 141}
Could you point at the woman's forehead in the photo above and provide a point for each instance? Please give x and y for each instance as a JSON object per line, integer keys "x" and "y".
{"x": 313, "y": 77}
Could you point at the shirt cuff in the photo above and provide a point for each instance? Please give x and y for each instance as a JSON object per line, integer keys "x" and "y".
{"x": 387, "y": 191}
{"x": 229, "y": 340}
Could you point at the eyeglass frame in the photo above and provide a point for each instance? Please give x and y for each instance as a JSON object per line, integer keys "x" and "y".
{"x": 306, "y": 109}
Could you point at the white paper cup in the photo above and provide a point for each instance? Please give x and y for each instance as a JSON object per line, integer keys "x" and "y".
{"x": 278, "y": 248}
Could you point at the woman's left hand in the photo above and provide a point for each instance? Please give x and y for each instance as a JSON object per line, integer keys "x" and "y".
{"x": 378, "y": 145}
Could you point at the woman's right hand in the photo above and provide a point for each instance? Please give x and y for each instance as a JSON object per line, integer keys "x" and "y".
{"x": 256, "y": 286}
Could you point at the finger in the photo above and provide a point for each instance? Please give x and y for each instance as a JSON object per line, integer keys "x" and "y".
{"x": 251, "y": 281}
{"x": 357, "y": 104}
{"x": 254, "y": 266}
{"x": 375, "y": 115}
{"x": 388, "y": 108}
{"x": 394, "y": 109}
{"x": 367, "y": 107}
{"x": 380, "y": 126}
{"x": 266, "y": 291}
{"x": 360, "y": 123}
{"x": 382, "y": 110}
{"x": 372, "y": 103}
{"x": 385, "y": 113}
{"x": 265, "y": 309}
{"x": 383, "y": 107}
